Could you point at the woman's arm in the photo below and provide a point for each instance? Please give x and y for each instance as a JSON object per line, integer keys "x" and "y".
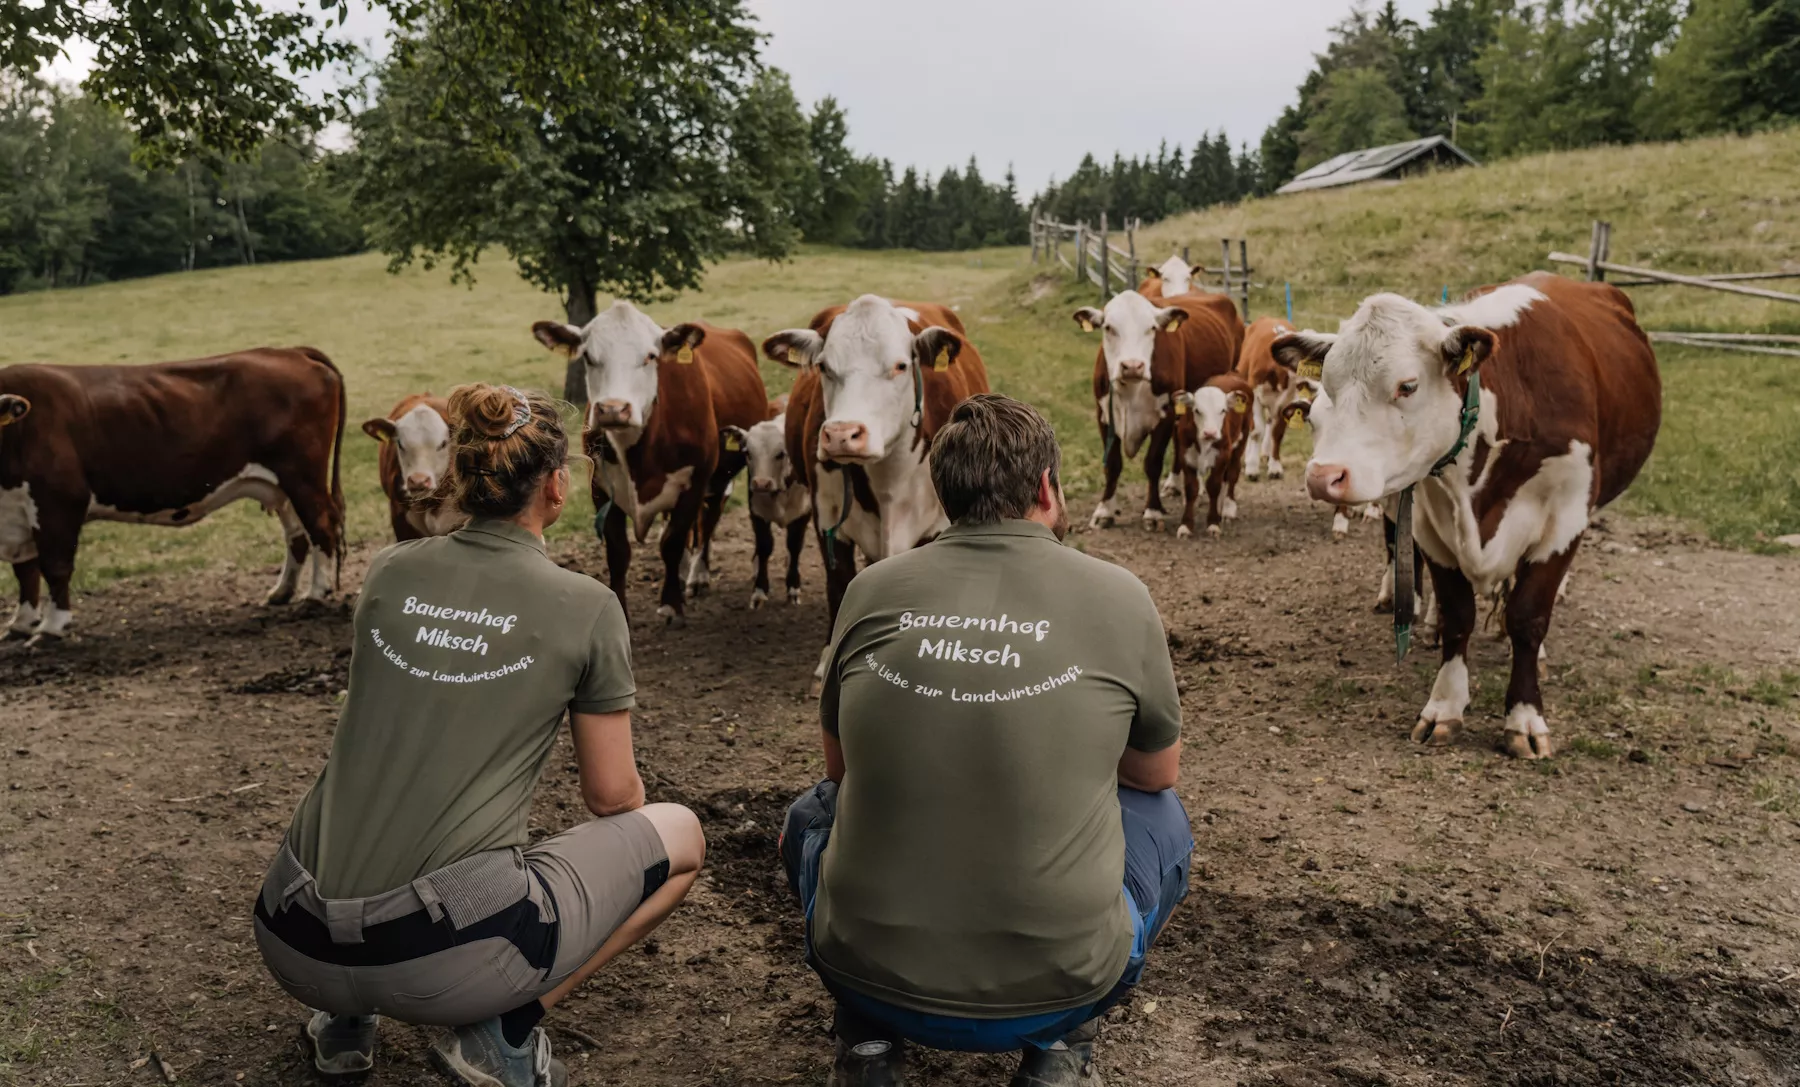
{"x": 609, "y": 776}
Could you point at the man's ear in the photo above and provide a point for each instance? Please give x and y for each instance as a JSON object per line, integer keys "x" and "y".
{"x": 936, "y": 348}
{"x": 381, "y": 429}
{"x": 1088, "y": 318}
{"x": 1466, "y": 347}
{"x": 1302, "y": 351}
{"x": 13, "y": 407}
{"x": 681, "y": 340}
{"x": 557, "y": 336}
{"x": 1170, "y": 318}
{"x": 796, "y": 347}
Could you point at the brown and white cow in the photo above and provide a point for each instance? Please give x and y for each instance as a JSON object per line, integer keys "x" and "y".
{"x": 1211, "y": 430}
{"x": 658, "y": 399}
{"x": 412, "y": 463}
{"x": 167, "y": 444}
{"x": 1173, "y": 277}
{"x": 1276, "y": 387}
{"x": 1570, "y": 403}
{"x": 878, "y": 380}
{"x": 1148, "y": 353}
{"x": 778, "y": 496}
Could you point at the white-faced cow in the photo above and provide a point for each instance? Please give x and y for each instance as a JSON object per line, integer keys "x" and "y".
{"x": 1211, "y": 431}
{"x": 1568, "y": 410}
{"x": 778, "y": 497}
{"x": 167, "y": 444}
{"x": 413, "y": 461}
{"x": 1173, "y": 277}
{"x": 878, "y": 380}
{"x": 658, "y": 399}
{"x": 1148, "y": 353}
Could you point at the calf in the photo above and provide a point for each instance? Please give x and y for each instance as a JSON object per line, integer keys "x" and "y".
{"x": 1275, "y": 388}
{"x": 1147, "y": 354}
{"x": 658, "y": 400}
{"x": 413, "y": 461}
{"x": 1515, "y": 415}
{"x": 878, "y": 380}
{"x": 167, "y": 444}
{"x": 778, "y": 496}
{"x": 1211, "y": 431}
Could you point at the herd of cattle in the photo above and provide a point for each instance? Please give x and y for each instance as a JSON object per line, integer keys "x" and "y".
{"x": 1515, "y": 413}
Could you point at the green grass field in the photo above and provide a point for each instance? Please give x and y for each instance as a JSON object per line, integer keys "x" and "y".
{"x": 1728, "y": 460}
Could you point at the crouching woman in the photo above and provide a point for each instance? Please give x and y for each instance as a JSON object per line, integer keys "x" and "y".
{"x": 407, "y": 885}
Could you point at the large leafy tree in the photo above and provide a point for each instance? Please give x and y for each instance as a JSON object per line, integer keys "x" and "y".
{"x": 1735, "y": 67}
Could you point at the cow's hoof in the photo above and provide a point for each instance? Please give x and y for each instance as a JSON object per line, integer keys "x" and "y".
{"x": 1252, "y": 474}
{"x": 671, "y": 618}
{"x": 15, "y": 634}
{"x": 1153, "y": 520}
{"x": 43, "y": 640}
{"x": 1275, "y": 469}
{"x": 1103, "y": 517}
{"x": 1228, "y": 509}
{"x": 1372, "y": 512}
{"x": 757, "y": 599}
{"x": 1436, "y": 733}
{"x": 1384, "y": 606}
{"x": 1527, "y": 736}
{"x": 1183, "y": 532}
{"x": 793, "y": 596}
{"x": 277, "y": 597}
{"x": 1215, "y": 531}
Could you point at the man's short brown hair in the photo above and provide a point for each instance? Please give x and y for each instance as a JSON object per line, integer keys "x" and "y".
{"x": 987, "y": 460}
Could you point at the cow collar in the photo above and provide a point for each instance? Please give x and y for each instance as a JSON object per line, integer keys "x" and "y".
{"x": 1471, "y": 417}
{"x": 1405, "y": 594}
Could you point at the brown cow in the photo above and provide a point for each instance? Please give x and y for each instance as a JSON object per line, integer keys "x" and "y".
{"x": 1276, "y": 387}
{"x": 1211, "y": 430}
{"x": 657, "y": 401}
{"x": 1569, "y": 407}
{"x": 878, "y": 379}
{"x": 413, "y": 461}
{"x": 167, "y": 444}
{"x": 1147, "y": 355}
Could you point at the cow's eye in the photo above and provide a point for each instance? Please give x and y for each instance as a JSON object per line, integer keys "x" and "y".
{"x": 782, "y": 455}
{"x": 1406, "y": 389}
{"x": 900, "y": 367}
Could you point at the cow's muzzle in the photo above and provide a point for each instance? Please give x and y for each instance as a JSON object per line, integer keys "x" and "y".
{"x": 613, "y": 413}
{"x": 763, "y": 485}
{"x": 418, "y": 485}
{"x": 839, "y": 441}
{"x": 1136, "y": 370}
{"x": 1327, "y": 482}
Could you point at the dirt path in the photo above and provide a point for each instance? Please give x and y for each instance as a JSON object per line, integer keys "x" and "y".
{"x": 1363, "y": 912}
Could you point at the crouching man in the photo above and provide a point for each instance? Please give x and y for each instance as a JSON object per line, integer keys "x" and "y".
{"x": 997, "y": 843}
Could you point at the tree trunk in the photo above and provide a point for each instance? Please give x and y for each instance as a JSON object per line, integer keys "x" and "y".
{"x": 579, "y": 307}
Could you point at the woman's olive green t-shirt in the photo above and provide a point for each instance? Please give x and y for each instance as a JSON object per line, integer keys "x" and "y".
{"x": 468, "y": 649}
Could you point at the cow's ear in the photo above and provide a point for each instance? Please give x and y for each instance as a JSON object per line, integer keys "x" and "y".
{"x": 1302, "y": 352}
{"x": 1300, "y": 411}
{"x": 1197, "y": 271}
{"x": 936, "y": 348}
{"x": 734, "y": 438}
{"x": 1238, "y": 400}
{"x": 681, "y": 340}
{"x": 557, "y": 336}
{"x": 13, "y": 407}
{"x": 1088, "y": 318}
{"x": 1153, "y": 273}
{"x": 1466, "y": 347}
{"x": 381, "y": 429}
{"x": 797, "y": 347}
{"x": 1170, "y": 318}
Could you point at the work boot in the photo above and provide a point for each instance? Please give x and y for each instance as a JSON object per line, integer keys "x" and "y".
{"x": 867, "y": 1064}
{"x": 342, "y": 1045}
{"x": 1068, "y": 1063}
{"x": 478, "y": 1056}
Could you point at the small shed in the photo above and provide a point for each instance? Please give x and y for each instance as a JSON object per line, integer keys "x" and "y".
{"x": 1390, "y": 163}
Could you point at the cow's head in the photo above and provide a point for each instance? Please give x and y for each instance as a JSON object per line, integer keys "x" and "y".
{"x": 765, "y": 450}
{"x": 866, "y": 375}
{"x": 1395, "y": 375}
{"x": 421, "y": 440}
{"x": 1175, "y": 276}
{"x": 1128, "y": 328}
{"x": 622, "y": 349}
{"x": 13, "y": 407}
{"x": 1211, "y": 406}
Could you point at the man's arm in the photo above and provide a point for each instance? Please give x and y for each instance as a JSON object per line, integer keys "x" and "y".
{"x": 609, "y": 776}
{"x": 834, "y": 756}
{"x": 1148, "y": 771}
{"x": 1152, "y": 758}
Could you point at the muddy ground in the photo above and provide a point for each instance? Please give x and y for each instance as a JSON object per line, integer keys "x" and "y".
{"x": 1363, "y": 911}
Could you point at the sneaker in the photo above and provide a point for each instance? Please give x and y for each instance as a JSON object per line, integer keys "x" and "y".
{"x": 478, "y": 1056}
{"x": 873, "y": 1063}
{"x": 342, "y": 1045}
{"x": 1068, "y": 1063}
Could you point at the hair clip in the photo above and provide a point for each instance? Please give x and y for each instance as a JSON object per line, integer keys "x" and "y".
{"x": 521, "y": 411}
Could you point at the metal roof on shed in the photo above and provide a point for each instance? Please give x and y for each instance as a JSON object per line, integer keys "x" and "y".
{"x": 1371, "y": 163}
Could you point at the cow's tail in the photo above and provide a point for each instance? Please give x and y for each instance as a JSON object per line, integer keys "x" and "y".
{"x": 337, "y": 459}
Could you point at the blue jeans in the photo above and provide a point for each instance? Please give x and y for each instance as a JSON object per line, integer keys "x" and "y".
{"x": 1159, "y": 846}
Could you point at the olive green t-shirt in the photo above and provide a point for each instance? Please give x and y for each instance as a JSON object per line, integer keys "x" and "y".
{"x": 468, "y": 648}
{"x": 984, "y": 688}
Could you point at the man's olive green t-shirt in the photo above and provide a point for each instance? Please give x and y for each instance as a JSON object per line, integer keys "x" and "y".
{"x": 984, "y": 688}
{"x": 468, "y": 648}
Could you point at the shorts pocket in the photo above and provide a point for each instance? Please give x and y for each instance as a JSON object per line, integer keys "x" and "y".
{"x": 454, "y": 987}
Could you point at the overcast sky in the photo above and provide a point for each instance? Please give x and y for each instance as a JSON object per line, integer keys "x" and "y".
{"x": 1034, "y": 83}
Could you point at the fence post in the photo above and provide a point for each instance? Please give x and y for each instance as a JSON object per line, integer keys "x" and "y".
{"x": 1080, "y": 250}
{"x": 1244, "y": 273}
{"x": 1225, "y": 268}
{"x": 1105, "y": 260}
{"x": 1605, "y": 247}
{"x": 1594, "y": 258}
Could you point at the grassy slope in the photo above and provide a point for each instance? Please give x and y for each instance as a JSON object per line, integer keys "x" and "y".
{"x": 1729, "y": 456}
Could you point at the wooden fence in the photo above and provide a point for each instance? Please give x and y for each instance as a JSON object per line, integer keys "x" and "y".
{"x": 1095, "y": 258}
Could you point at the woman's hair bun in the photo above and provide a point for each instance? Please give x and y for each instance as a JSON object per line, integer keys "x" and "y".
{"x": 503, "y": 442}
{"x": 485, "y": 409}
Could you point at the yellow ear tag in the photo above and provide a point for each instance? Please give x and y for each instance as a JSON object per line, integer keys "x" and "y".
{"x": 1305, "y": 392}
{"x": 1312, "y": 370}
{"x": 731, "y": 442}
{"x": 380, "y": 436}
{"x": 1468, "y": 361}
{"x": 1239, "y": 406}
{"x": 942, "y": 362}
{"x": 685, "y": 355}
{"x": 1180, "y": 408}
{"x": 1174, "y": 324}
{"x": 1087, "y": 325}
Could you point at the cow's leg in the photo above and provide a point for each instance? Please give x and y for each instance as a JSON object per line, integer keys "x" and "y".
{"x": 840, "y": 567}
{"x": 1108, "y": 509}
{"x": 25, "y": 616}
{"x": 1528, "y": 609}
{"x": 673, "y": 547}
{"x": 1190, "y": 487}
{"x": 699, "y": 572}
{"x": 796, "y": 548}
{"x": 1340, "y": 526}
{"x": 1277, "y": 431}
{"x": 765, "y": 546}
{"x": 1259, "y": 432}
{"x": 1443, "y": 713}
{"x": 1233, "y": 468}
{"x": 295, "y": 547}
{"x": 1153, "y": 471}
{"x": 58, "y": 536}
{"x": 617, "y": 538}
{"x": 1215, "y": 482}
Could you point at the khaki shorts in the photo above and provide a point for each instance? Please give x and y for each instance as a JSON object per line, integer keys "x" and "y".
{"x": 498, "y": 930}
